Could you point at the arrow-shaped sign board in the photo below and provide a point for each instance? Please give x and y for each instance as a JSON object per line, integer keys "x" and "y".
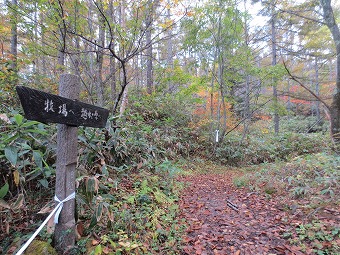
{"x": 49, "y": 108}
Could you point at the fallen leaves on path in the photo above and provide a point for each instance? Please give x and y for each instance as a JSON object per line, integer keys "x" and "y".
{"x": 225, "y": 220}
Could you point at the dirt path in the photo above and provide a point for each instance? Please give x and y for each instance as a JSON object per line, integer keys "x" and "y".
{"x": 249, "y": 224}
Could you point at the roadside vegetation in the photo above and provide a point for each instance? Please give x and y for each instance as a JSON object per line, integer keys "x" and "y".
{"x": 127, "y": 195}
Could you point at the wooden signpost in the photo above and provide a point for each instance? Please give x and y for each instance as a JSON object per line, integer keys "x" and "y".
{"x": 69, "y": 113}
{"x": 48, "y": 108}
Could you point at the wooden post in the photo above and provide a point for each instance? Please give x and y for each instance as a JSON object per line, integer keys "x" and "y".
{"x": 64, "y": 236}
{"x": 69, "y": 114}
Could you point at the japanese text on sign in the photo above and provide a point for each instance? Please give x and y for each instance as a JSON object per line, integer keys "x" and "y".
{"x": 85, "y": 113}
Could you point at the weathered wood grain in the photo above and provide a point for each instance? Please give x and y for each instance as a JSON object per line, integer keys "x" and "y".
{"x": 64, "y": 234}
{"x": 49, "y": 108}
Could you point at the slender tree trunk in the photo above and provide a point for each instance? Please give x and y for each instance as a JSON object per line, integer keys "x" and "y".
{"x": 123, "y": 95}
{"x": 274, "y": 62}
{"x": 289, "y": 104}
{"x": 148, "y": 37}
{"x": 62, "y": 38}
{"x": 329, "y": 19}
{"x": 43, "y": 44}
{"x": 124, "y": 102}
{"x": 36, "y": 64}
{"x": 169, "y": 44}
{"x": 76, "y": 57}
{"x": 99, "y": 60}
{"x": 90, "y": 48}
{"x": 14, "y": 39}
{"x": 317, "y": 89}
{"x": 113, "y": 67}
{"x": 223, "y": 103}
{"x": 113, "y": 82}
{"x": 247, "y": 81}
{"x": 212, "y": 92}
{"x": 219, "y": 69}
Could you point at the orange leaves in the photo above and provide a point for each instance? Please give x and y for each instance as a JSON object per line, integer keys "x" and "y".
{"x": 212, "y": 104}
{"x": 190, "y": 13}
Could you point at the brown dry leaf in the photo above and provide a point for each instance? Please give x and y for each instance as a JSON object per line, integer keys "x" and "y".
{"x": 197, "y": 227}
{"x": 80, "y": 228}
{"x": 158, "y": 226}
{"x": 125, "y": 244}
{"x": 187, "y": 239}
{"x": 107, "y": 250}
{"x": 206, "y": 212}
{"x": 47, "y": 208}
{"x": 11, "y": 250}
{"x": 50, "y": 226}
{"x": 111, "y": 216}
{"x": 200, "y": 205}
{"x": 7, "y": 227}
{"x": 139, "y": 165}
{"x": 94, "y": 242}
{"x": 199, "y": 250}
{"x": 237, "y": 252}
{"x": 18, "y": 203}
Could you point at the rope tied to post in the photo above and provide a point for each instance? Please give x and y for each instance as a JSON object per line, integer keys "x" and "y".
{"x": 61, "y": 204}
{"x": 56, "y": 212}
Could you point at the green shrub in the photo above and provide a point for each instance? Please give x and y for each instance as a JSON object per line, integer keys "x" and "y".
{"x": 256, "y": 149}
{"x": 303, "y": 124}
{"x": 25, "y": 152}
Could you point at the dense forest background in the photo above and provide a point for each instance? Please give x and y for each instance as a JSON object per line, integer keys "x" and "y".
{"x": 236, "y": 83}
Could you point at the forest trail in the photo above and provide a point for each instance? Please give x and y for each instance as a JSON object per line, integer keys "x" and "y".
{"x": 223, "y": 219}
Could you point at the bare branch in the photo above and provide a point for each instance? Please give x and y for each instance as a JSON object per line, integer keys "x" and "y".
{"x": 292, "y": 77}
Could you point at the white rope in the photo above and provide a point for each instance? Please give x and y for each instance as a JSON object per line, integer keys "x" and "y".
{"x": 57, "y": 211}
{"x": 61, "y": 203}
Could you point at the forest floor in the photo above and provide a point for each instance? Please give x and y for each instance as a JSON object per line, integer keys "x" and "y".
{"x": 224, "y": 219}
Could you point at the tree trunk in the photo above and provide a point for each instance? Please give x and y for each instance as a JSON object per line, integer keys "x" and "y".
{"x": 14, "y": 38}
{"x": 329, "y": 19}
{"x": 149, "y": 73}
{"x": 44, "y": 60}
{"x": 317, "y": 90}
{"x": 274, "y": 62}
{"x": 246, "y": 114}
{"x": 123, "y": 103}
{"x": 62, "y": 46}
{"x": 169, "y": 44}
{"x": 113, "y": 81}
{"x": 99, "y": 61}
{"x": 113, "y": 68}
{"x": 212, "y": 91}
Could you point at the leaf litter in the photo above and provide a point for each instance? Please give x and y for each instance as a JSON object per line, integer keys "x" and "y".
{"x": 223, "y": 219}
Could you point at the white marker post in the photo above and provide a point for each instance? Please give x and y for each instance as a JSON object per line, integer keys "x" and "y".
{"x": 217, "y": 135}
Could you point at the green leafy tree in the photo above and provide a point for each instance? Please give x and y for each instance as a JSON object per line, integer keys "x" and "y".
{"x": 214, "y": 35}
